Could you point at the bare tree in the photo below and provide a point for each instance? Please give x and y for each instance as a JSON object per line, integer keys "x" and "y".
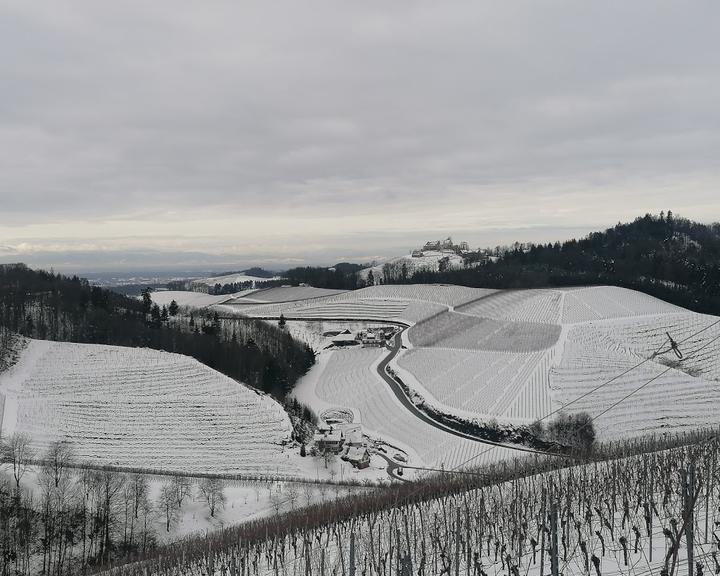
{"x": 308, "y": 493}
{"x": 292, "y": 495}
{"x": 58, "y": 460}
{"x": 167, "y": 504}
{"x": 213, "y": 493}
{"x": 182, "y": 488}
{"x": 58, "y": 501}
{"x": 276, "y": 501}
{"x": 17, "y": 452}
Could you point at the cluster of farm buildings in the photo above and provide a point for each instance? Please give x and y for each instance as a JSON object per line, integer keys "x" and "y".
{"x": 345, "y": 440}
{"x": 375, "y": 336}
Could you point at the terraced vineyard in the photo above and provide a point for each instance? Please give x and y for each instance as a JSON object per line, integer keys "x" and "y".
{"x": 519, "y": 355}
{"x": 482, "y": 383}
{"x": 284, "y": 294}
{"x": 674, "y": 401}
{"x": 645, "y": 336}
{"x": 623, "y": 516}
{"x": 141, "y": 408}
{"x": 606, "y": 302}
{"x": 445, "y": 295}
{"x": 462, "y": 331}
{"x": 544, "y": 306}
{"x": 349, "y": 380}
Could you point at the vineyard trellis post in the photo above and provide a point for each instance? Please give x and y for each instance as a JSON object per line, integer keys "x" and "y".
{"x": 689, "y": 514}
{"x": 351, "y": 569}
{"x": 457, "y": 542}
{"x": 709, "y": 488}
{"x": 554, "y": 560}
{"x": 651, "y": 504}
{"x": 542, "y": 532}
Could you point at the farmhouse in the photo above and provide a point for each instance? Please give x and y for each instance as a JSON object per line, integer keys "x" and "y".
{"x": 329, "y": 441}
{"x": 358, "y": 456}
{"x": 370, "y": 338}
{"x": 344, "y": 338}
{"x": 354, "y": 436}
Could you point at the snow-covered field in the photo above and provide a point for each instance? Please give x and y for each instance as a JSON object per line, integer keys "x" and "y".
{"x": 183, "y": 298}
{"x": 518, "y": 355}
{"x": 348, "y": 379}
{"x": 462, "y": 331}
{"x": 141, "y": 408}
{"x": 446, "y": 295}
{"x": 283, "y": 294}
{"x": 514, "y": 356}
{"x": 534, "y": 351}
{"x": 503, "y": 385}
{"x": 674, "y": 401}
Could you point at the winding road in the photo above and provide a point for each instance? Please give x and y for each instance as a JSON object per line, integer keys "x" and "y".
{"x": 413, "y": 409}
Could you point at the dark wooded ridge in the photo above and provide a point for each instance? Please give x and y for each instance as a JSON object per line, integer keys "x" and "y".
{"x": 43, "y": 305}
{"x": 672, "y": 258}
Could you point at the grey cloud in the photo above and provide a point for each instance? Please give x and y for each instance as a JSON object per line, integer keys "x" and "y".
{"x": 128, "y": 110}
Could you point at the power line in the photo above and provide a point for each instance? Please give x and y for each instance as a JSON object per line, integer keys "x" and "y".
{"x": 455, "y": 469}
{"x": 674, "y": 346}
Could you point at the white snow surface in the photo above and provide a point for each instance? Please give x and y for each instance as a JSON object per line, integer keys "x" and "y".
{"x": 518, "y": 355}
{"x": 141, "y": 408}
{"x": 430, "y": 261}
{"x": 348, "y": 379}
{"x": 184, "y": 298}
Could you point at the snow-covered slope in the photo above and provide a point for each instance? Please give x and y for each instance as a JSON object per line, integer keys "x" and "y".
{"x": 589, "y": 336}
{"x": 517, "y": 355}
{"x": 184, "y": 298}
{"x": 141, "y": 408}
{"x": 430, "y": 261}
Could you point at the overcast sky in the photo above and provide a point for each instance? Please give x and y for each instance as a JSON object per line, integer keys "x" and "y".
{"x": 193, "y": 133}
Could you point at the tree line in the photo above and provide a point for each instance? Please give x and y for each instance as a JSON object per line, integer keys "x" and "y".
{"x": 57, "y": 518}
{"x": 44, "y": 305}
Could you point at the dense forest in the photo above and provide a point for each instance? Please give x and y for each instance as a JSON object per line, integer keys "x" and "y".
{"x": 44, "y": 305}
{"x": 671, "y": 258}
{"x": 342, "y": 276}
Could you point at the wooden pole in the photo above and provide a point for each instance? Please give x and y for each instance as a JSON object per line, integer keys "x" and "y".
{"x": 352, "y": 554}
{"x": 689, "y": 482}
{"x": 457, "y": 542}
{"x": 554, "y": 560}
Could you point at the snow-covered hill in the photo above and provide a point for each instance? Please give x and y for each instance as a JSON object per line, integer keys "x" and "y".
{"x": 518, "y": 355}
{"x": 141, "y": 408}
{"x": 430, "y": 261}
